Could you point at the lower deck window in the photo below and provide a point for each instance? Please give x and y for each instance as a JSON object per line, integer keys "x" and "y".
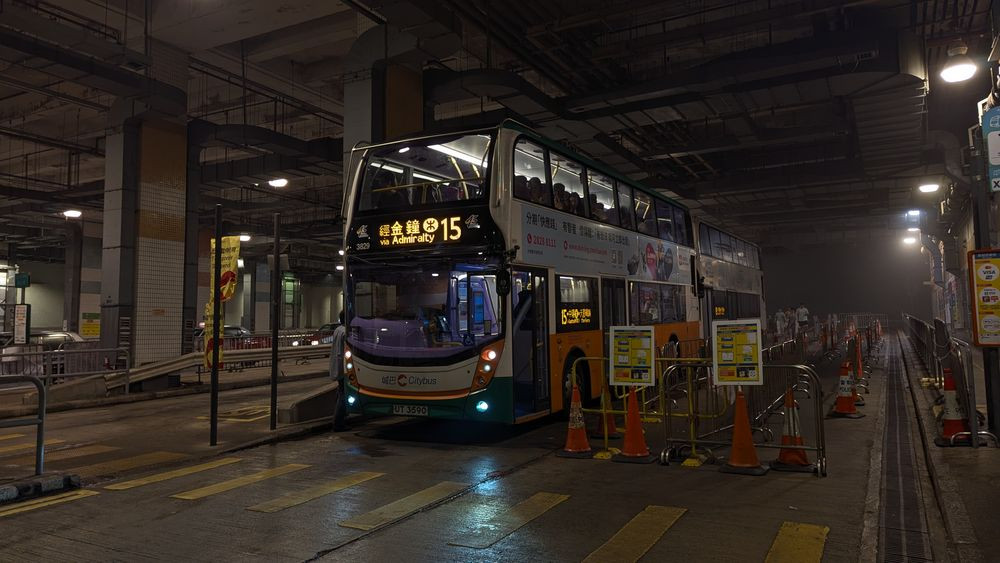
{"x": 652, "y": 303}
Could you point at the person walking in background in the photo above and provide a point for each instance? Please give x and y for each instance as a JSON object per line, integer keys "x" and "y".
{"x": 793, "y": 327}
{"x": 779, "y": 325}
{"x": 337, "y": 373}
{"x": 802, "y": 315}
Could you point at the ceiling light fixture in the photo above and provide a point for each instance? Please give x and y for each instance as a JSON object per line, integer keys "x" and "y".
{"x": 72, "y": 213}
{"x": 278, "y": 182}
{"x": 340, "y": 252}
{"x": 929, "y": 188}
{"x": 959, "y": 67}
{"x": 913, "y": 229}
{"x": 340, "y": 267}
{"x": 245, "y": 237}
{"x": 910, "y": 240}
{"x": 913, "y": 213}
{"x": 404, "y": 149}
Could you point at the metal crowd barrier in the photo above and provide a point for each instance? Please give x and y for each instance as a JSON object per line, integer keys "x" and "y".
{"x": 38, "y": 420}
{"x": 256, "y": 341}
{"x": 684, "y": 389}
{"x": 938, "y": 350}
{"x": 48, "y": 365}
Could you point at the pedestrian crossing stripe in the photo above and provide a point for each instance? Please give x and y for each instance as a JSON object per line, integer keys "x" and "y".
{"x": 159, "y": 477}
{"x": 43, "y": 502}
{"x": 238, "y": 482}
{"x": 31, "y": 446}
{"x": 127, "y": 463}
{"x": 640, "y": 534}
{"x": 312, "y": 493}
{"x": 404, "y": 506}
{"x": 798, "y": 543}
{"x": 508, "y": 521}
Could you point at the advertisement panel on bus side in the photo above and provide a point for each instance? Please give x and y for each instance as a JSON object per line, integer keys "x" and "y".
{"x": 574, "y": 244}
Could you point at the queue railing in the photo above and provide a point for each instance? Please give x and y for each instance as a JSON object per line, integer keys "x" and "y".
{"x": 38, "y": 421}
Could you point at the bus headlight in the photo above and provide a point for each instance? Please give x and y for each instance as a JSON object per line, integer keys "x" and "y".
{"x": 349, "y": 366}
{"x": 487, "y": 366}
{"x": 351, "y": 399}
{"x": 482, "y": 406}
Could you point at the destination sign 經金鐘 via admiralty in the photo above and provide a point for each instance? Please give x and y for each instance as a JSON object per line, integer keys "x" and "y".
{"x": 414, "y": 232}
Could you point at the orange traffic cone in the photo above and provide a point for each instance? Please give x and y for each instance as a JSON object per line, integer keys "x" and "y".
{"x": 952, "y": 418}
{"x": 635, "y": 449}
{"x": 844, "y": 407}
{"x": 743, "y": 456}
{"x": 792, "y": 458}
{"x": 577, "y": 445}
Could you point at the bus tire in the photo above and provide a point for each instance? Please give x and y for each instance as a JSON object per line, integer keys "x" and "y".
{"x": 583, "y": 380}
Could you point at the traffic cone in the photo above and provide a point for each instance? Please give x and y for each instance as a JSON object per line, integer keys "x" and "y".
{"x": 577, "y": 445}
{"x": 635, "y": 449}
{"x": 792, "y": 458}
{"x": 844, "y": 407}
{"x": 952, "y": 418}
{"x": 743, "y": 456}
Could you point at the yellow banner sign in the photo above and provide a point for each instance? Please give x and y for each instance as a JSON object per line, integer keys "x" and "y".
{"x": 736, "y": 358}
{"x": 984, "y": 286}
{"x": 633, "y": 356}
{"x": 230, "y": 267}
{"x": 207, "y": 336}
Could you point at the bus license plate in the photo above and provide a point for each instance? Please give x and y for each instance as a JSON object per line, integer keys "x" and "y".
{"x": 409, "y": 410}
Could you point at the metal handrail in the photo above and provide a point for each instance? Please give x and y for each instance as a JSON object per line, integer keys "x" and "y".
{"x": 38, "y": 421}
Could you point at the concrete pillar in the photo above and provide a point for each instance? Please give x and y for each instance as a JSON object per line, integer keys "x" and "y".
{"x": 89, "y": 322}
{"x": 71, "y": 278}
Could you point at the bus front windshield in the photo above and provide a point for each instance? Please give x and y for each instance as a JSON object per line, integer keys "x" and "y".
{"x": 433, "y": 311}
{"x": 425, "y": 171}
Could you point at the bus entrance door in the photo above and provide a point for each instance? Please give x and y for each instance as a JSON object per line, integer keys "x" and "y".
{"x": 613, "y": 304}
{"x": 530, "y": 332}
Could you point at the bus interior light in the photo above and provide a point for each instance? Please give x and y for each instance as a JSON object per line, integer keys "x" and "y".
{"x": 482, "y": 406}
{"x": 459, "y": 155}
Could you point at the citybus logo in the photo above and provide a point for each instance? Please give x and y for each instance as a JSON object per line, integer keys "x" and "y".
{"x": 401, "y": 380}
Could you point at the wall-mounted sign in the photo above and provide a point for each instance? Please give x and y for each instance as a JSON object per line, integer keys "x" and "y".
{"x": 22, "y": 324}
{"x": 633, "y": 356}
{"x": 736, "y": 358}
{"x": 22, "y": 280}
{"x": 90, "y": 325}
{"x": 984, "y": 287}
{"x": 991, "y": 134}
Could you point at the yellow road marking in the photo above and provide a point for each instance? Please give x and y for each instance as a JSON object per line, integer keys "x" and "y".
{"x": 127, "y": 463}
{"x": 404, "y": 506}
{"x": 11, "y": 436}
{"x": 301, "y": 497}
{"x": 507, "y": 522}
{"x": 243, "y": 414}
{"x": 171, "y": 474}
{"x": 66, "y": 454}
{"x": 798, "y": 543}
{"x": 239, "y": 482}
{"x": 640, "y": 534}
{"x": 31, "y": 446}
{"x": 45, "y": 501}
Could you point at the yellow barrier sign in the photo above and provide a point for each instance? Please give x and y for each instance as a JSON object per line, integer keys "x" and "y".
{"x": 736, "y": 358}
{"x": 984, "y": 286}
{"x": 632, "y": 356}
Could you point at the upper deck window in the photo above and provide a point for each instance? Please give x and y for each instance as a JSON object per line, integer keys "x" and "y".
{"x": 425, "y": 171}
{"x": 645, "y": 217}
{"x": 602, "y": 198}
{"x": 531, "y": 183}
{"x": 568, "y": 179}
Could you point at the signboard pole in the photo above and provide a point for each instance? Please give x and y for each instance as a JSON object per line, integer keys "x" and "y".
{"x": 275, "y": 311}
{"x": 216, "y": 329}
{"x": 982, "y": 229}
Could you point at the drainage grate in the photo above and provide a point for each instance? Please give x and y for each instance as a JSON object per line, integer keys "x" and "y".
{"x": 903, "y": 528}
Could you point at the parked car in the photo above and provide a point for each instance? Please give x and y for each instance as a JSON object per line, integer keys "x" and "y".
{"x": 323, "y": 335}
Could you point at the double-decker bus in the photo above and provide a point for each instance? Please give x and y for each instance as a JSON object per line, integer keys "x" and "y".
{"x": 731, "y": 274}
{"x": 480, "y": 265}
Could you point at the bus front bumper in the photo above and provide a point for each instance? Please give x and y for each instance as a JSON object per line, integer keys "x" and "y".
{"x": 492, "y": 404}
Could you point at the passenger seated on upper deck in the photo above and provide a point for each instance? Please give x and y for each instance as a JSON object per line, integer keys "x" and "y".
{"x": 559, "y": 197}
{"x": 538, "y": 191}
{"x": 597, "y": 210}
{"x": 521, "y": 188}
{"x": 575, "y": 204}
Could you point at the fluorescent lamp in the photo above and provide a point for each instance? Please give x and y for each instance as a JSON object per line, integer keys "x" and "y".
{"x": 458, "y": 154}
{"x": 278, "y": 182}
{"x": 387, "y": 168}
{"x": 245, "y": 237}
{"x": 929, "y": 188}
{"x": 72, "y": 213}
{"x": 913, "y": 229}
{"x": 340, "y": 252}
{"x": 913, "y": 213}
{"x": 340, "y": 267}
{"x": 425, "y": 177}
{"x": 239, "y": 262}
{"x": 910, "y": 240}
{"x": 404, "y": 149}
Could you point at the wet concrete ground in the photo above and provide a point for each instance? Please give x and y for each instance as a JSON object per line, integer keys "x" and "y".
{"x": 314, "y": 497}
